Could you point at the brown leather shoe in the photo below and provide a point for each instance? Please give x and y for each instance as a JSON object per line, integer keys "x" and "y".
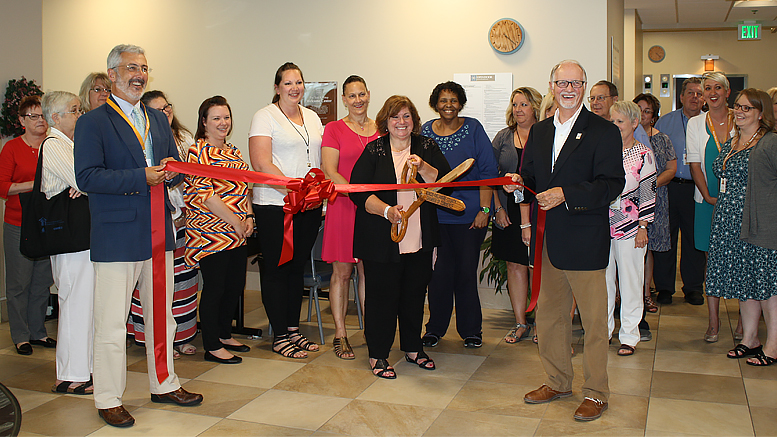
{"x": 180, "y": 397}
{"x": 544, "y": 394}
{"x": 117, "y": 416}
{"x": 590, "y": 409}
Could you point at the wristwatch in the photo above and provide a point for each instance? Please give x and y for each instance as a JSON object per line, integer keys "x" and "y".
{"x": 485, "y": 209}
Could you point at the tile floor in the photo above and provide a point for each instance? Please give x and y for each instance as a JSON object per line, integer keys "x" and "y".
{"x": 675, "y": 384}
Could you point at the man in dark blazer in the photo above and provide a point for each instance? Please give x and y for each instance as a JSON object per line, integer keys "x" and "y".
{"x": 120, "y": 151}
{"x": 573, "y": 161}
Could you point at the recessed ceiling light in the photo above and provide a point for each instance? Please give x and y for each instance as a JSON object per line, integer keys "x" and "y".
{"x": 755, "y": 3}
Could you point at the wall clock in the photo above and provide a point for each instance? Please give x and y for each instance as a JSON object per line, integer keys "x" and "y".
{"x": 656, "y": 53}
{"x": 506, "y": 36}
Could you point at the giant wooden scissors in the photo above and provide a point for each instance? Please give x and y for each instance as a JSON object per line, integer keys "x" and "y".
{"x": 398, "y": 229}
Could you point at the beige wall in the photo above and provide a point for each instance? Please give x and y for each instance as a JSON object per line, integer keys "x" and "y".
{"x": 632, "y": 59}
{"x": 198, "y": 48}
{"x": 684, "y": 50}
{"x": 20, "y": 55}
{"x": 615, "y": 27}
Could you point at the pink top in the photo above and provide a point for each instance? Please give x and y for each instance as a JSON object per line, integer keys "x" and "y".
{"x": 638, "y": 199}
{"x": 412, "y": 241}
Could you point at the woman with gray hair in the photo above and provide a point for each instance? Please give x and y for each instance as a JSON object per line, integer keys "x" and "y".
{"x": 73, "y": 272}
{"x": 95, "y": 90}
{"x": 630, "y": 214}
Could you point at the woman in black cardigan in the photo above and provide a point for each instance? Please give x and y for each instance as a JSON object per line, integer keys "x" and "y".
{"x": 396, "y": 274}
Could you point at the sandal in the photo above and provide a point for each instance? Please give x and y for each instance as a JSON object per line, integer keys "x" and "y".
{"x": 742, "y": 351}
{"x": 650, "y": 306}
{"x": 512, "y": 337}
{"x": 187, "y": 349}
{"x": 342, "y": 348}
{"x": 80, "y": 389}
{"x": 625, "y": 350}
{"x": 176, "y": 354}
{"x": 421, "y": 360}
{"x": 283, "y": 345}
{"x": 430, "y": 340}
{"x": 473, "y": 342}
{"x": 534, "y": 339}
{"x": 382, "y": 366}
{"x": 302, "y": 342}
{"x": 762, "y": 360}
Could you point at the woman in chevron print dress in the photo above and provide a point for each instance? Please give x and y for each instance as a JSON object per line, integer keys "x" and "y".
{"x": 217, "y": 222}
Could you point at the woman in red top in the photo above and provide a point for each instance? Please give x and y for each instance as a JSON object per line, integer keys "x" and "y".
{"x": 27, "y": 281}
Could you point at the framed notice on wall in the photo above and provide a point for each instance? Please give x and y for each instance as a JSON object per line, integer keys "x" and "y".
{"x": 320, "y": 97}
{"x": 488, "y": 95}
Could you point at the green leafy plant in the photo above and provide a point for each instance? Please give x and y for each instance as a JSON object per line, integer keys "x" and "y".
{"x": 9, "y": 117}
{"x": 495, "y": 270}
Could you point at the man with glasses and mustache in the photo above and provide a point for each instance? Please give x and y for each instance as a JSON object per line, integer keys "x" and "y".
{"x": 120, "y": 151}
{"x": 681, "y": 207}
{"x": 601, "y": 98}
{"x": 573, "y": 160}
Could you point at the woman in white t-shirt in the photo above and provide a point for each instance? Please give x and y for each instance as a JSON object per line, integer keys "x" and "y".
{"x": 285, "y": 140}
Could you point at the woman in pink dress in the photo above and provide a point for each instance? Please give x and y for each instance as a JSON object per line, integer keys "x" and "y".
{"x": 341, "y": 146}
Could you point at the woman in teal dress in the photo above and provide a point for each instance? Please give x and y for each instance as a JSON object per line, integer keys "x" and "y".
{"x": 739, "y": 269}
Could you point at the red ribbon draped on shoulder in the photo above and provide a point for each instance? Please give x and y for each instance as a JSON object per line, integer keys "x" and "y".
{"x": 310, "y": 191}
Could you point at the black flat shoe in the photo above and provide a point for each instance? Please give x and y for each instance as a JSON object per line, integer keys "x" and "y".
{"x": 421, "y": 360}
{"x": 473, "y": 342}
{"x": 430, "y": 340}
{"x": 24, "y": 349}
{"x": 234, "y": 360}
{"x": 47, "y": 342}
{"x": 236, "y": 348}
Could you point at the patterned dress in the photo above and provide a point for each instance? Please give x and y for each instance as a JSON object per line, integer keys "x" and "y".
{"x": 736, "y": 269}
{"x": 638, "y": 200}
{"x": 658, "y": 230}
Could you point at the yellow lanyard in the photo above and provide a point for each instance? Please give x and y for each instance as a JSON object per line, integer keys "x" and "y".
{"x": 142, "y": 139}
{"x": 712, "y": 128}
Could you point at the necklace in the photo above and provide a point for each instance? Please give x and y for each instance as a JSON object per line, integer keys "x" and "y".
{"x": 712, "y": 128}
{"x": 306, "y": 140}
{"x": 361, "y": 126}
{"x": 756, "y": 135}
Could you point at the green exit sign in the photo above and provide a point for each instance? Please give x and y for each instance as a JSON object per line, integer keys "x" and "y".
{"x": 749, "y": 32}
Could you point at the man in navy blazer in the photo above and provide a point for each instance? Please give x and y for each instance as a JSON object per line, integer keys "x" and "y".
{"x": 573, "y": 161}
{"x": 120, "y": 151}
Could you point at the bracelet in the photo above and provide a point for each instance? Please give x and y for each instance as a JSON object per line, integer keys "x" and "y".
{"x": 642, "y": 227}
{"x": 251, "y": 216}
{"x": 385, "y": 212}
{"x": 526, "y": 226}
{"x": 498, "y": 208}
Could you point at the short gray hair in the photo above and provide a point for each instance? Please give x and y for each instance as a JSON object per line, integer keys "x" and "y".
{"x": 114, "y": 57}
{"x": 627, "y": 108}
{"x": 567, "y": 61}
{"x": 55, "y": 102}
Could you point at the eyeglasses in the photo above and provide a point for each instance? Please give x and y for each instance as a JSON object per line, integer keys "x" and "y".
{"x": 78, "y": 112}
{"x": 743, "y": 108}
{"x": 100, "y": 90}
{"x": 134, "y": 68}
{"x": 597, "y": 98}
{"x": 33, "y": 117}
{"x": 647, "y": 111}
{"x": 167, "y": 108}
{"x": 565, "y": 83}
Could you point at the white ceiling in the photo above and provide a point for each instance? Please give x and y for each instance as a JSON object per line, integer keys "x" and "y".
{"x": 690, "y": 14}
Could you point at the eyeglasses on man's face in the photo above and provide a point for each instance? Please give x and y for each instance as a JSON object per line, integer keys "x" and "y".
{"x": 565, "y": 83}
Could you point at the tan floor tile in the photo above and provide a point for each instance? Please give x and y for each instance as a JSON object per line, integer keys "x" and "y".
{"x": 681, "y": 308}
{"x": 496, "y": 398}
{"x": 698, "y": 418}
{"x": 38, "y": 378}
{"x": 756, "y": 372}
{"x": 692, "y": 387}
{"x": 529, "y": 373}
{"x": 28, "y": 434}
{"x": 150, "y": 422}
{"x": 291, "y": 409}
{"x": 137, "y": 392}
{"x": 523, "y": 350}
{"x": 654, "y": 433}
{"x": 452, "y": 344}
{"x": 629, "y": 412}
{"x": 696, "y": 362}
{"x": 188, "y": 366}
{"x": 570, "y": 427}
{"x": 683, "y": 323}
{"x": 252, "y": 372}
{"x": 63, "y": 416}
{"x": 642, "y": 359}
{"x": 454, "y": 366}
{"x": 629, "y": 381}
{"x": 764, "y": 420}
{"x": 459, "y": 423}
{"x": 228, "y": 427}
{"x": 12, "y": 365}
{"x": 761, "y": 393}
{"x": 220, "y": 400}
{"x": 29, "y": 399}
{"x": 423, "y": 391}
{"x": 378, "y": 418}
{"x": 691, "y": 340}
{"x": 331, "y": 381}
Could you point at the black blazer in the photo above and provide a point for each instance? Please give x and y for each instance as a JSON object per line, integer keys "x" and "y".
{"x": 372, "y": 233}
{"x": 589, "y": 168}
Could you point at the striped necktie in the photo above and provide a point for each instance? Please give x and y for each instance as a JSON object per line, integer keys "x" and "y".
{"x": 140, "y": 125}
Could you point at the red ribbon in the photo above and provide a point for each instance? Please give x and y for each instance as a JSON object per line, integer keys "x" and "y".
{"x": 159, "y": 271}
{"x": 310, "y": 191}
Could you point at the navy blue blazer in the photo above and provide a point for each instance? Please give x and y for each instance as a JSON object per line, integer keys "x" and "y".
{"x": 589, "y": 168}
{"x": 110, "y": 168}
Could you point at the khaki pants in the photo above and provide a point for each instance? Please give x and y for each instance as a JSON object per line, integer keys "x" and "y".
{"x": 554, "y": 327}
{"x": 115, "y": 282}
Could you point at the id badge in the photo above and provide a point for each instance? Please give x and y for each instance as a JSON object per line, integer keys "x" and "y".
{"x": 685, "y": 158}
{"x": 722, "y": 185}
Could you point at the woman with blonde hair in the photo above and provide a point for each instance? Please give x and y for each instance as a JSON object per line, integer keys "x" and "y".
{"x": 95, "y": 90}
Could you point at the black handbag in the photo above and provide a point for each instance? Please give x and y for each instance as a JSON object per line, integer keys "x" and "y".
{"x": 53, "y": 226}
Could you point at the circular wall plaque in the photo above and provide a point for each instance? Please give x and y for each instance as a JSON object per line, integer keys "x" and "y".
{"x": 506, "y": 36}
{"x": 656, "y": 53}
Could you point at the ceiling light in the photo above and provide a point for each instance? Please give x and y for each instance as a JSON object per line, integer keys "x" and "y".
{"x": 755, "y": 3}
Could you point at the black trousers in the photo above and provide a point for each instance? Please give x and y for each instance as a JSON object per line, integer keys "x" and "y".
{"x": 223, "y": 281}
{"x": 282, "y": 285}
{"x": 395, "y": 291}
{"x": 692, "y": 261}
{"x": 455, "y": 278}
